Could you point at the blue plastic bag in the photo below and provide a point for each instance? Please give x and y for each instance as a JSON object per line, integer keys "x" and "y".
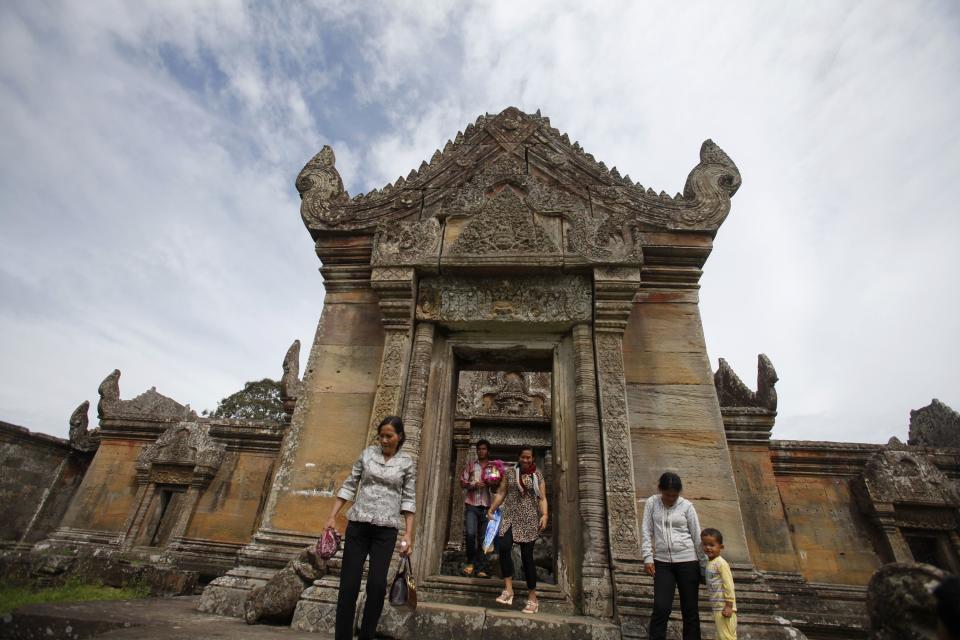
{"x": 491, "y": 534}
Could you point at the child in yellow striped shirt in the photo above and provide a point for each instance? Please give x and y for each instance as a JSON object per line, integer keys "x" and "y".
{"x": 720, "y": 585}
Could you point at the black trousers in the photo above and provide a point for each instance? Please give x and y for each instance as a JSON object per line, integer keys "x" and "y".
{"x": 505, "y": 547}
{"x": 474, "y": 527}
{"x": 684, "y": 577}
{"x": 363, "y": 539}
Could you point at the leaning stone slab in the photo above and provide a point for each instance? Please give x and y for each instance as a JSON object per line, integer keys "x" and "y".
{"x": 277, "y": 599}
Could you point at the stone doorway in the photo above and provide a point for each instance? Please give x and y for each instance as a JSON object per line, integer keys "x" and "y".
{"x": 509, "y": 409}
{"x": 522, "y": 394}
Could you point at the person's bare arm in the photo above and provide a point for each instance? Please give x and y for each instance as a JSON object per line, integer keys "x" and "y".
{"x": 498, "y": 498}
{"x": 543, "y": 504}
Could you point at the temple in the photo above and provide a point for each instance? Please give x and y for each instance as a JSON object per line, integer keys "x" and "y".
{"x": 516, "y": 289}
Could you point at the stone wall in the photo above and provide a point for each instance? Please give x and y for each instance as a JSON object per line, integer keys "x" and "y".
{"x": 39, "y": 475}
{"x": 675, "y": 419}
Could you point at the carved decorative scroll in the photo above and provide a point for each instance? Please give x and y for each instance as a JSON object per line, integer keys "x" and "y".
{"x": 81, "y": 438}
{"x": 529, "y": 299}
{"x": 732, "y": 392}
{"x": 504, "y": 225}
{"x": 290, "y": 384}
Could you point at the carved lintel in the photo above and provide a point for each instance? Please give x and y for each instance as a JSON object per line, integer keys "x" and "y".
{"x": 186, "y": 447}
{"x": 519, "y": 299}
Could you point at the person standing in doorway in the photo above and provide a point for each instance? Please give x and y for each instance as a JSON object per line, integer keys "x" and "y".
{"x": 476, "y": 498}
{"x": 523, "y": 494}
{"x": 673, "y": 556}
{"x": 382, "y": 487}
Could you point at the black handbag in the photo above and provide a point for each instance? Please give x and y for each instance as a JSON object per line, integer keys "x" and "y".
{"x": 403, "y": 591}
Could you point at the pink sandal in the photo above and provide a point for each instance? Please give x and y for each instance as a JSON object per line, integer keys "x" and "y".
{"x": 505, "y": 598}
{"x": 532, "y": 607}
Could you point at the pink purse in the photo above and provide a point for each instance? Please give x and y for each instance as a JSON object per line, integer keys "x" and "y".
{"x": 328, "y": 544}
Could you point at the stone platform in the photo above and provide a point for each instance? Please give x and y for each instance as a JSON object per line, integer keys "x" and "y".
{"x": 148, "y": 619}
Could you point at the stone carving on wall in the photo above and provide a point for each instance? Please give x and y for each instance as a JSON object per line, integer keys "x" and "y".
{"x": 897, "y": 475}
{"x": 507, "y": 139}
{"x": 526, "y": 299}
{"x": 900, "y": 602}
{"x": 732, "y": 392}
{"x": 935, "y": 425}
{"x": 81, "y": 438}
{"x": 504, "y": 393}
{"x": 407, "y": 242}
{"x": 149, "y": 405}
{"x": 504, "y": 225}
{"x": 621, "y": 499}
{"x": 514, "y": 436}
{"x": 290, "y": 384}
{"x": 187, "y": 445}
{"x": 320, "y": 188}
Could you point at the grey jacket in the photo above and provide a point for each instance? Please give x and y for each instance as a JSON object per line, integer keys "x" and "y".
{"x": 380, "y": 489}
{"x": 671, "y": 534}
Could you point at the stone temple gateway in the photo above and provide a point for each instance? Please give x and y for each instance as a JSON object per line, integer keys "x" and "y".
{"x": 516, "y": 286}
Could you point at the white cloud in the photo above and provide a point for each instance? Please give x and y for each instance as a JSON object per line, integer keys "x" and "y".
{"x": 148, "y": 220}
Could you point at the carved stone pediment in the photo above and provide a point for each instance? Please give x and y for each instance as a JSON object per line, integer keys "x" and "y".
{"x": 148, "y": 406}
{"x": 514, "y": 143}
{"x": 899, "y": 476}
{"x": 565, "y": 299}
{"x": 184, "y": 450}
{"x": 504, "y": 394}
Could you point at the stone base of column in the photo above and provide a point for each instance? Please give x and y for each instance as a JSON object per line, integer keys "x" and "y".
{"x": 273, "y": 549}
{"x": 317, "y": 609}
{"x": 225, "y": 595}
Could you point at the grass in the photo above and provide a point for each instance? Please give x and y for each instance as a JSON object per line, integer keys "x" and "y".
{"x": 73, "y": 591}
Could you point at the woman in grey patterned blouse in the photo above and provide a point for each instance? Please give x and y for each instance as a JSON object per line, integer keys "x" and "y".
{"x": 382, "y": 487}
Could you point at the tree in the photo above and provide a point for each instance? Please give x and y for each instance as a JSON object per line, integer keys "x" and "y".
{"x": 258, "y": 400}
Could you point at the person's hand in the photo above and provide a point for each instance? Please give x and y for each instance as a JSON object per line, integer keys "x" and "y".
{"x": 406, "y": 545}
{"x": 331, "y": 524}
{"x": 650, "y": 568}
{"x": 727, "y": 610}
{"x": 543, "y": 522}
{"x": 489, "y": 515}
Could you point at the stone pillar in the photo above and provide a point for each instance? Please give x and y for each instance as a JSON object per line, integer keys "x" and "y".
{"x": 461, "y": 446}
{"x": 395, "y": 286}
{"x": 596, "y": 560}
{"x": 145, "y": 491}
{"x": 614, "y": 289}
{"x": 896, "y": 543}
{"x": 417, "y": 388}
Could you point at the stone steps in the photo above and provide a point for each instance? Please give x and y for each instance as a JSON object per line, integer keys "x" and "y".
{"x": 442, "y": 621}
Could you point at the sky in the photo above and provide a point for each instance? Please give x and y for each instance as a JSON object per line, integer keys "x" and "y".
{"x": 148, "y": 151}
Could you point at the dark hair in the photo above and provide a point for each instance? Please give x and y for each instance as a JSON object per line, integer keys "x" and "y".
{"x": 713, "y": 533}
{"x": 947, "y": 594}
{"x": 525, "y": 447}
{"x": 483, "y": 442}
{"x": 670, "y": 481}
{"x": 397, "y": 423}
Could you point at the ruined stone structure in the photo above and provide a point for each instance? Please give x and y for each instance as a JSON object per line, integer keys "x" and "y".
{"x": 515, "y": 288}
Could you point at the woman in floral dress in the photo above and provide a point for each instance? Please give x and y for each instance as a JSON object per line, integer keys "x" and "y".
{"x": 523, "y": 496}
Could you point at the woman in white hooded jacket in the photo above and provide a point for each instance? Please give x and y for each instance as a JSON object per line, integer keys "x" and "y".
{"x": 672, "y": 554}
